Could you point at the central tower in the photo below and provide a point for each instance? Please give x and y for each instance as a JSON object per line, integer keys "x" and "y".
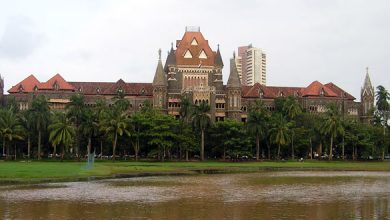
{"x": 194, "y": 70}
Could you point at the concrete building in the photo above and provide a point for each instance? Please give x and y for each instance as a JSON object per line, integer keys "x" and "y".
{"x": 251, "y": 65}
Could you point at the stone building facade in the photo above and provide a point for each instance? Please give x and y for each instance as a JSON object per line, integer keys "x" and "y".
{"x": 192, "y": 69}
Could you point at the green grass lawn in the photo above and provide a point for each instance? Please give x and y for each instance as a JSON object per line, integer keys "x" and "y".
{"x": 65, "y": 171}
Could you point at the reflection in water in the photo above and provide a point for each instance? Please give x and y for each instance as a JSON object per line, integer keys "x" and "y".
{"x": 263, "y": 195}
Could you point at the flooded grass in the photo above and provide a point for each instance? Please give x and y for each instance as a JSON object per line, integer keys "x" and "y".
{"x": 147, "y": 183}
{"x": 290, "y": 180}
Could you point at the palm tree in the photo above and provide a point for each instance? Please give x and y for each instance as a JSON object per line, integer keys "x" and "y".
{"x": 89, "y": 127}
{"x": 201, "y": 120}
{"x": 280, "y": 131}
{"x": 40, "y": 113}
{"x": 75, "y": 110}
{"x": 10, "y": 128}
{"x": 383, "y": 108}
{"x": 292, "y": 109}
{"x": 332, "y": 126}
{"x": 26, "y": 119}
{"x": 62, "y": 132}
{"x": 115, "y": 123}
{"x": 257, "y": 123}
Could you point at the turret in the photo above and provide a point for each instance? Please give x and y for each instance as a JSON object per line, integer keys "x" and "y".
{"x": 160, "y": 85}
{"x": 234, "y": 92}
{"x": 367, "y": 95}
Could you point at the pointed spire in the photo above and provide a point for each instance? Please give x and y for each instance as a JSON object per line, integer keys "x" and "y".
{"x": 367, "y": 86}
{"x": 218, "y": 58}
{"x": 171, "y": 59}
{"x": 234, "y": 78}
{"x": 159, "y": 78}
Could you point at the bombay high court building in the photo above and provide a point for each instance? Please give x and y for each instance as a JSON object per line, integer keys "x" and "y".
{"x": 194, "y": 70}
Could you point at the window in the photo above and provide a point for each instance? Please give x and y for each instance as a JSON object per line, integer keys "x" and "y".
{"x": 187, "y": 54}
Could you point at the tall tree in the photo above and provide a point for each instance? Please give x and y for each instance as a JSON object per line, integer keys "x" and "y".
{"x": 257, "y": 123}
{"x": 383, "y": 109}
{"x": 292, "y": 109}
{"x": 279, "y": 131}
{"x": 27, "y": 122}
{"x": 40, "y": 111}
{"x": 89, "y": 127}
{"x": 62, "y": 132}
{"x": 332, "y": 126}
{"x": 10, "y": 127}
{"x": 75, "y": 110}
{"x": 201, "y": 120}
{"x": 115, "y": 123}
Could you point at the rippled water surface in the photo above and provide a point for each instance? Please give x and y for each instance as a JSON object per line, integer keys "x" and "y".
{"x": 263, "y": 195}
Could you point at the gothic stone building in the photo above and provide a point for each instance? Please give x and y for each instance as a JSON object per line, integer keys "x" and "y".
{"x": 193, "y": 69}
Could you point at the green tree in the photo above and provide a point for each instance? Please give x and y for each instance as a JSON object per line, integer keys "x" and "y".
{"x": 62, "y": 132}
{"x": 383, "y": 109}
{"x": 332, "y": 126}
{"x": 279, "y": 131}
{"x": 200, "y": 121}
{"x": 10, "y": 127}
{"x": 75, "y": 110}
{"x": 40, "y": 113}
{"x": 89, "y": 127}
{"x": 114, "y": 124}
{"x": 292, "y": 109}
{"x": 27, "y": 122}
{"x": 257, "y": 123}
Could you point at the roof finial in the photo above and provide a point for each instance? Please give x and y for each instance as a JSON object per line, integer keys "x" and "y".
{"x": 367, "y": 70}
{"x": 218, "y": 46}
{"x": 234, "y": 54}
{"x": 159, "y": 54}
{"x": 172, "y": 45}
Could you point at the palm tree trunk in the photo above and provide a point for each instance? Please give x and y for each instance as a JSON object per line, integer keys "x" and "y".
{"x": 28, "y": 146}
{"x": 186, "y": 154}
{"x": 54, "y": 151}
{"x": 343, "y": 147}
{"x": 311, "y": 149}
{"x": 63, "y": 152}
{"x": 331, "y": 148}
{"x": 292, "y": 147}
{"x": 278, "y": 151}
{"x": 257, "y": 147}
{"x": 89, "y": 145}
{"x": 15, "y": 150}
{"x": 39, "y": 144}
{"x": 224, "y": 153}
{"x": 114, "y": 146}
{"x": 269, "y": 151}
{"x": 3, "y": 145}
{"x": 101, "y": 149}
{"x": 202, "y": 146}
{"x": 320, "y": 150}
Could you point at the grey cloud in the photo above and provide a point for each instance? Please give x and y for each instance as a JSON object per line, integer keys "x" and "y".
{"x": 20, "y": 39}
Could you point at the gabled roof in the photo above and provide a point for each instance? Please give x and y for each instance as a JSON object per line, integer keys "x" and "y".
{"x": 27, "y": 85}
{"x": 340, "y": 92}
{"x": 111, "y": 88}
{"x": 56, "y": 79}
{"x": 317, "y": 89}
{"x": 269, "y": 91}
{"x": 184, "y": 46}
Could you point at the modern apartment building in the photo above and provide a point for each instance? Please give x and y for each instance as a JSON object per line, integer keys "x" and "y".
{"x": 251, "y": 65}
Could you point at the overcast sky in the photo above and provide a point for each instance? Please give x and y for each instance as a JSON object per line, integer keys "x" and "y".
{"x": 96, "y": 40}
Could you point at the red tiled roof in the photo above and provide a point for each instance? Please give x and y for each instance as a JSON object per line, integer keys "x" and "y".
{"x": 315, "y": 89}
{"x": 62, "y": 84}
{"x": 185, "y": 44}
{"x": 340, "y": 92}
{"x": 27, "y": 85}
{"x": 111, "y": 88}
{"x": 269, "y": 91}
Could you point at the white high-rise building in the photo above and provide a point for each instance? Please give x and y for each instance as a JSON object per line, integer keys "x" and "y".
{"x": 251, "y": 65}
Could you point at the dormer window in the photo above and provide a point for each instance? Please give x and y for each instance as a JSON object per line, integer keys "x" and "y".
{"x": 80, "y": 89}
{"x": 187, "y": 54}
{"x": 142, "y": 91}
{"x": 56, "y": 86}
{"x": 202, "y": 55}
{"x": 21, "y": 89}
{"x": 322, "y": 92}
{"x": 296, "y": 94}
{"x": 120, "y": 90}
{"x": 281, "y": 94}
{"x": 35, "y": 88}
{"x": 261, "y": 94}
{"x": 98, "y": 90}
{"x": 194, "y": 42}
